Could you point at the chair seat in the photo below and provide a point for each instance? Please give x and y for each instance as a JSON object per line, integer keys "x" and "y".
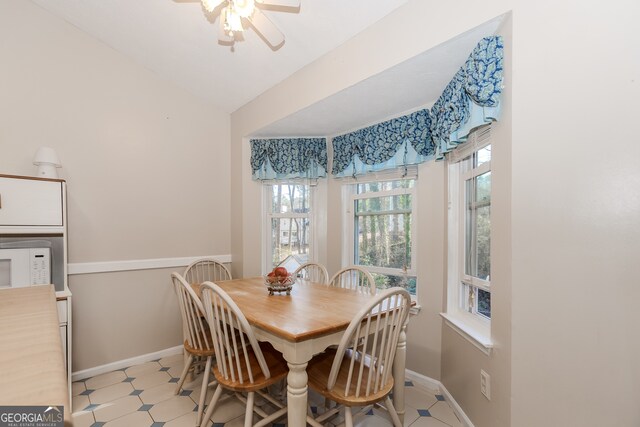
{"x": 319, "y": 369}
{"x": 277, "y": 368}
{"x": 204, "y": 337}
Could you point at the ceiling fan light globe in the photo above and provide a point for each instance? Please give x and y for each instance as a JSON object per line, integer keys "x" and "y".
{"x": 233, "y": 22}
{"x": 244, "y": 8}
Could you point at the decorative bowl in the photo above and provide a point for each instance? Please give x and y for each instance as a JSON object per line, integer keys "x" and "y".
{"x": 279, "y": 284}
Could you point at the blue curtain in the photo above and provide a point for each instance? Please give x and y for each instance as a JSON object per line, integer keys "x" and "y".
{"x": 472, "y": 97}
{"x": 290, "y": 158}
{"x": 397, "y": 142}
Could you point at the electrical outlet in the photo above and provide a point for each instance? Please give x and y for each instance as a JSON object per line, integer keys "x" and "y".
{"x": 485, "y": 384}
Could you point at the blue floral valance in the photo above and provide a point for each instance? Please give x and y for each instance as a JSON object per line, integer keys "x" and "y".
{"x": 472, "y": 97}
{"x": 397, "y": 142}
{"x": 290, "y": 158}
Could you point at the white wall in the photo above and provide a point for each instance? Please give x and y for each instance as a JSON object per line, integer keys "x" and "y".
{"x": 146, "y": 166}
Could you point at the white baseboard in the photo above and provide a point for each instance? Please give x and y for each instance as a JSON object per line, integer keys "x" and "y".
{"x": 424, "y": 381}
{"x": 120, "y": 364}
{"x": 438, "y": 387}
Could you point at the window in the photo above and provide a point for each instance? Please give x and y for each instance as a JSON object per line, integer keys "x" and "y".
{"x": 288, "y": 225}
{"x": 381, "y": 215}
{"x": 470, "y": 228}
{"x": 476, "y": 220}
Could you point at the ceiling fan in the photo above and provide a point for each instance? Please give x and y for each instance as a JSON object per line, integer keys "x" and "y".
{"x": 234, "y": 13}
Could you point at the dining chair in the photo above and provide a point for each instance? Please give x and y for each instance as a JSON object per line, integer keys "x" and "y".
{"x": 206, "y": 269}
{"x": 363, "y": 377}
{"x": 355, "y": 278}
{"x": 313, "y": 272}
{"x": 198, "y": 342}
{"x": 243, "y": 365}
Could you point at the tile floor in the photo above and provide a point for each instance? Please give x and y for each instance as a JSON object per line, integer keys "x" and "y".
{"x": 142, "y": 395}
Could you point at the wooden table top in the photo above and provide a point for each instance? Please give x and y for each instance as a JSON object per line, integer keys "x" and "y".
{"x": 312, "y": 309}
{"x": 32, "y": 368}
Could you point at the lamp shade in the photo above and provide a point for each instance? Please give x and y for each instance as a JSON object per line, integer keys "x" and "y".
{"x": 47, "y": 161}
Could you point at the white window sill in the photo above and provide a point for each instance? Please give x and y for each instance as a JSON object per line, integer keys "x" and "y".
{"x": 415, "y": 309}
{"x": 478, "y": 335}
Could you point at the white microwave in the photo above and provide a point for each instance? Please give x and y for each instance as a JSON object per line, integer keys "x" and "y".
{"x": 25, "y": 267}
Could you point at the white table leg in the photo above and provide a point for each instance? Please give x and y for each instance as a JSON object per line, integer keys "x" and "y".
{"x": 399, "y": 363}
{"x": 297, "y": 394}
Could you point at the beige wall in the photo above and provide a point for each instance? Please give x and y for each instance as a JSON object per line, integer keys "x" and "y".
{"x": 146, "y": 165}
{"x": 461, "y": 361}
{"x": 567, "y": 218}
{"x": 424, "y": 25}
{"x": 576, "y": 214}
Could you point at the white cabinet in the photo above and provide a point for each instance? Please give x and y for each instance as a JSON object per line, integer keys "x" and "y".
{"x": 34, "y": 210}
{"x": 31, "y": 202}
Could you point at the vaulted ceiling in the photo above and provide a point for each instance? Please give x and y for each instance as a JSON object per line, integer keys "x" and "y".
{"x": 174, "y": 39}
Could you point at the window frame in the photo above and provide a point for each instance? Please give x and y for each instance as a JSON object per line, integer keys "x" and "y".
{"x": 350, "y": 196}
{"x": 474, "y": 326}
{"x": 268, "y": 216}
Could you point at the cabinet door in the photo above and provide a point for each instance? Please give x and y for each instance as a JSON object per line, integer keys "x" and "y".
{"x": 28, "y": 202}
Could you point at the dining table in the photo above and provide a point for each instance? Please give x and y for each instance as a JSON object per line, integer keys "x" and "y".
{"x": 302, "y": 324}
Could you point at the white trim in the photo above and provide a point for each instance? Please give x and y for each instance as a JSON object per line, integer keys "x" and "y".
{"x": 466, "y": 422}
{"x": 268, "y": 216}
{"x": 138, "y": 264}
{"x": 23, "y": 229}
{"x": 437, "y": 386}
{"x": 125, "y": 363}
{"x": 394, "y": 174}
{"x": 476, "y": 336}
{"x": 429, "y": 383}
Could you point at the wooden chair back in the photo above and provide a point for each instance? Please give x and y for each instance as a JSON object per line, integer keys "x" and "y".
{"x": 374, "y": 332}
{"x": 233, "y": 337}
{"x": 195, "y": 328}
{"x": 354, "y": 278}
{"x": 313, "y": 272}
{"x": 206, "y": 269}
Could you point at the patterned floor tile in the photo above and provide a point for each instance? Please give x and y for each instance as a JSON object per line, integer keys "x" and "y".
{"x": 173, "y": 360}
{"x": 151, "y": 379}
{"x": 196, "y": 389}
{"x": 150, "y": 402}
{"x": 173, "y": 408}
{"x": 428, "y": 422}
{"x": 410, "y": 415}
{"x": 175, "y": 370}
{"x": 105, "y": 380}
{"x": 77, "y": 388}
{"x": 227, "y": 409}
{"x": 418, "y": 399}
{"x": 370, "y": 421}
{"x": 140, "y": 370}
{"x": 117, "y": 408}
{"x": 78, "y": 403}
{"x": 110, "y": 393}
{"x": 134, "y": 419}
{"x": 442, "y": 411}
{"x": 82, "y": 419}
{"x": 187, "y": 420}
{"x": 158, "y": 393}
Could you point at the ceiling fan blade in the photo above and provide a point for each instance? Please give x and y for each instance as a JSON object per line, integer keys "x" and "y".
{"x": 210, "y": 5}
{"x": 285, "y": 3}
{"x": 266, "y": 28}
{"x": 223, "y": 36}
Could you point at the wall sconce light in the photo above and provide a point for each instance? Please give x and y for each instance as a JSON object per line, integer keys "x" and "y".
{"x": 48, "y": 162}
